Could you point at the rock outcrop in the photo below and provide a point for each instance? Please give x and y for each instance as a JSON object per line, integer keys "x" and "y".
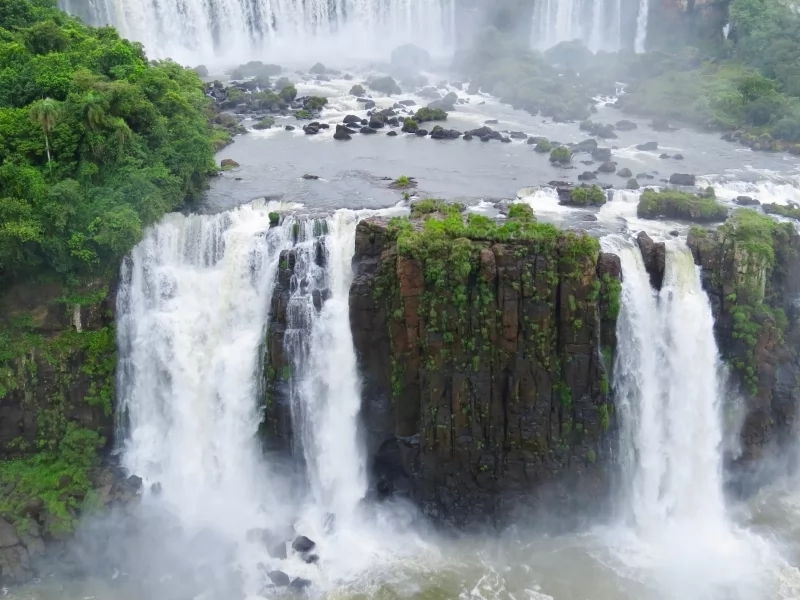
{"x": 751, "y": 272}
{"x": 486, "y": 380}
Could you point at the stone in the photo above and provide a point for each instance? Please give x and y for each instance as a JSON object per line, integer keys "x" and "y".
{"x": 310, "y": 559}
{"x": 655, "y": 258}
{"x": 391, "y": 133}
{"x": 376, "y": 122}
{"x": 357, "y": 90}
{"x": 8, "y": 535}
{"x": 625, "y": 173}
{"x": 351, "y": 119}
{"x": 368, "y": 130}
{"x": 586, "y": 176}
{"x": 302, "y": 544}
{"x": 386, "y": 85}
{"x": 678, "y": 157}
{"x": 279, "y": 578}
{"x": 309, "y": 176}
{"x": 298, "y": 583}
{"x": 647, "y": 146}
{"x": 632, "y": 184}
{"x": 746, "y": 201}
{"x": 601, "y": 154}
{"x": 289, "y": 128}
{"x": 682, "y": 179}
{"x": 421, "y": 132}
{"x": 342, "y": 133}
{"x": 491, "y": 122}
{"x": 664, "y": 155}
{"x": 407, "y": 103}
{"x": 625, "y": 125}
{"x": 228, "y": 163}
{"x": 607, "y": 167}
{"x": 318, "y": 69}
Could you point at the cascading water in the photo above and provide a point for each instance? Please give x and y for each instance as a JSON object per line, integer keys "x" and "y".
{"x": 224, "y": 32}
{"x": 597, "y": 23}
{"x": 677, "y": 535}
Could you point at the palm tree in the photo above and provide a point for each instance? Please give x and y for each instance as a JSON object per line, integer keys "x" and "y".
{"x": 93, "y": 110}
{"x": 45, "y": 113}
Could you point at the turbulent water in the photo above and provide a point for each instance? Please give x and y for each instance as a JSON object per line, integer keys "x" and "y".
{"x": 597, "y": 23}
{"x": 234, "y": 31}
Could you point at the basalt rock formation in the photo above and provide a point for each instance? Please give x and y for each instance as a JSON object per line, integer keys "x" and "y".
{"x": 486, "y": 386}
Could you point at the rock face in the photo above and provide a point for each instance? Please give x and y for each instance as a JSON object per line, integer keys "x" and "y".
{"x": 496, "y": 396}
{"x": 655, "y": 258}
{"x": 753, "y": 296}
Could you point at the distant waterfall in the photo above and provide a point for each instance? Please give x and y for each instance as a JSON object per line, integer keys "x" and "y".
{"x": 229, "y": 32}
{"x": 597, "y": 23}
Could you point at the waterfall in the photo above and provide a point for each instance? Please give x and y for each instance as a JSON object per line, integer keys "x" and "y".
{"x": 666, "y": 380}
{"x": 676, "y": 535}
{"x": 641, "y": 26}
{"x": 597, "y": 23}
{"x": 229, "y": 32}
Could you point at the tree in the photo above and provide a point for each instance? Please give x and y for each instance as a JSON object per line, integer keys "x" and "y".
{"x": 45, "y": 114}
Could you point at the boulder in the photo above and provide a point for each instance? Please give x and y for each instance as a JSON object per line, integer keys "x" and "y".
{"x": 367, "y": 130}
{"x": 410, "y": 57}
{"x": 586, "y": 176}
{"x": 302, "y": 544}
{"x": 518, "y": 135}
{"x": 647, "y": 146}
{"x": 746, "y": 201}
{"x": 351, "y": 119}
{"x": 678, "y": 157}
{"x": 655, "y": 258}
{"x": 632, "y": 184}
{"x": 228, "y": 163}
{"x": 601, "y": 154}
{"x": 391, "y": 133}
{"x": 625, "y": 125}
{"x": 421, "y": 132}
{"x": 625, "y": 172}
{"x": 682, "y": 179}
{"x": 289, "y": 128}
{"x": 279, "y": 578}
{"x": 357, "y": 90}
{"x": 407, "y": 103}
{"x": 607, "y": 167}
{"x": 587, "y": 145}
{"x": 386, "y": 85}
{"x": 467, "y": 136}
{"x": 310, "y": 559}
{"x": 342, "y": 133}
{"x": 376, "y": 122}
{"x": 429, "y": 92}
{"x": 664, "y": 155}
{"x": 298, "y": 583}
{"x": 491, "y": 122}
{"x": 318, "y": 69}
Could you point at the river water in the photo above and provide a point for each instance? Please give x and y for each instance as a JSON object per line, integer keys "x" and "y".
{"x": 192, "y": 311}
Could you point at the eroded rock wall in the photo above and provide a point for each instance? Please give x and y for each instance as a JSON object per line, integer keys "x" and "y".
{"x": 496, "y": 396}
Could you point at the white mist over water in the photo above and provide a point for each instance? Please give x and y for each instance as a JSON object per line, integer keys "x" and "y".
{"x": 229, "y": 32}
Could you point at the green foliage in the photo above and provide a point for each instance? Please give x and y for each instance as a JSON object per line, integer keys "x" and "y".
{"x": 589, "y": 196}
{"x": 561, "y": 154}
{"x": 612, "y": 297}
{"x": 430, "y": 114}
{"x": 520, "y": 211}
{"x": 274, "y": 219}
{"x": 97, "y": 142}
{"x": 316, "y": 102}
{"x": 674, "y": 204}
{"x": 58, "y": 476}
{"x": 790, "y": 211}
{"x": 543, "y": 146}
{"x": 288, "y": 93}
{"x": 402, "y": 182}
{"x": 264, "y": 123}
{"x": 303, "y": 114}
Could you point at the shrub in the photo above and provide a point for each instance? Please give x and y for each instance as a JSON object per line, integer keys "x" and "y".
{"x": 674, "y": 204}
{"x": 430, "y": 114}
{"x": 562, "y": 155}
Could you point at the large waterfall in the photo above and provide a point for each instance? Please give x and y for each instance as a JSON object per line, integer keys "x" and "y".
{"x": 225, "y": 32}
{"x": 600, "y": 24}
{"x": 669, "y": 391}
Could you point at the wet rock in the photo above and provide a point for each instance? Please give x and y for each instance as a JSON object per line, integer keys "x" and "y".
{"x": 289, "y": 128}
{"x": 440, "y": 133}
{"x": 407, "y": 103}
{"x": 391, "y": 133}
{"x": 632, "y": 184}
{"x": 682, "y": 179}
{"x": 351, "y": 119}
{"x": 302, "y": 544}
{"x": 674, "y": 233}
{"x": 601, "y": 154}
{"x": 746, "y": 201}
{"x": 386, "y": 85}
{"x": 410, "y": 58}
{"x": 342, "y": 133}
{"x": 279, "y": 578}
{"x": 318, "y": 69}
{"x": 228, "y": 163}
{"x": 505, "y": 139}
{"x": 368, "y": 130}
{"x": 310, "y": 559}
{"x": 201, "y": 70}
{"x": 311, "y": 129}
{"x": 298, "y": 583}
{"x": 625, "y": 172}
{"x": 467, "y": 136}
{"x": 664, "y": 155}
{"x": 586, "y": 176}
{"x": 678, "y": 157}
{"x": 491, "y": 122}
{"x": 309, "y": 176}
{"x": 625, "y": 125}
{"x": 421, "y": 132}
{"x": 644, "y": 176}
{"x": 587, "y": 145}
{"x": 518, "y": 135}
{"x": 588, "y": 218}
{"x": 607, "y": 167}
{"x": 647, "y": 146}
{"x": 655, "y": 258}
{"x": 357, "y": 90}
{"x": 376, "y": 122}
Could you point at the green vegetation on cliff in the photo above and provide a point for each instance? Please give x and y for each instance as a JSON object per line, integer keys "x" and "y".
{"x": 95, "y": 143}
{"x": 674, "y": 204}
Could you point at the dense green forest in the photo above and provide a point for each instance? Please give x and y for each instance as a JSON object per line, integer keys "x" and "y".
{"x": 95, "y": 143}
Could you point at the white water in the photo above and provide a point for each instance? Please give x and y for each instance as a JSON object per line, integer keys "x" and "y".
{"x": 229, "y": 32}
{"x": 597, "y": 23}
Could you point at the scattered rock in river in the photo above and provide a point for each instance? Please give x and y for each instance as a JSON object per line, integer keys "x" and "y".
{"x": 678, "y": 157}
{"x": 625, "y": 172}
{"x": 309, "y": 176}
{"x": 647, "y": 146}
{"x": 367, "y": 130}
{"x": 302, "y": 544}
{"x": 386, "y": 85}
{"x": 279, "y": 578}
{"x": 625, "y": 125}
{"x": 391, "y": 133}
{"x": 682, "y": 179}
{"x": 632, "y": 184}
{"x": 746, "y": 201}
{"x": 298, "y": 583}
{"x": 343, "y": 133}
{"x": 228, "y": 163}
{"x": 601, "y": 154}
{"x": 607, "y": 167}
{"x": 357, "y": 90}
{"x": 586, "y": 176}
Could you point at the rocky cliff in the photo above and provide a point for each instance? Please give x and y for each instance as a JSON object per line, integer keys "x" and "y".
{"x": 57, "y": 365}
{"x": 485, "y": 361}
{"x": 751, "y": 272}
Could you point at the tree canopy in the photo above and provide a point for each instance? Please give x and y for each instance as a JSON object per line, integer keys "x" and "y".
{"x": 96, "y": 142}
